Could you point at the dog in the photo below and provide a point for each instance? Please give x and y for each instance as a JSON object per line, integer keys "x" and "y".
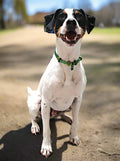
{"x": 63, "y": 82}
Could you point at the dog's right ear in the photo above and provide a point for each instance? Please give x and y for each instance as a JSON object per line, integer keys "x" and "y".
{"x": 90, "y": 23}
{"x": 50, "y": 21}
{"x": 29, "y": 90}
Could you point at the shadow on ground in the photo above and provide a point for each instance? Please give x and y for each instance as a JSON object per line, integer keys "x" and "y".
{"x": 12, "y": 56}
{"x": 21, "y": 145}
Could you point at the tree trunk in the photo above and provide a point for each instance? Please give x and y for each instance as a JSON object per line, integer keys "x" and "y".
{"x": 2, "y": 23}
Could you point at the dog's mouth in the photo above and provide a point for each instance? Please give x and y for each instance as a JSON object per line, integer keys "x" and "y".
{"x": 70, "y": 37}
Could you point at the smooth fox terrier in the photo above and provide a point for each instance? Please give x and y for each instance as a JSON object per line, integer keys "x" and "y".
{"x": 63, "y": 82}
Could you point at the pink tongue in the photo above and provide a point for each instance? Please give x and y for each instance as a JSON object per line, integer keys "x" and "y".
{"x": 71, "y": 35}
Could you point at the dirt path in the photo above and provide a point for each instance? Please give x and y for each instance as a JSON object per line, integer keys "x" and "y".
{"x": 24, "y": 55}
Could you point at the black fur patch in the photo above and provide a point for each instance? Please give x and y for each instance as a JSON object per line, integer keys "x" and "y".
{"x": 80, "y": 17}
{"x": 60, "y": 18}
{"x": 85, "y": 21}
{"x": 50, "y": 21}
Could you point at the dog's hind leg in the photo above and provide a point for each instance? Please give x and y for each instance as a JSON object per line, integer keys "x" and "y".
{"x": 35, "y": 127}
{"x": 34, "y": 103}
{"x": 66, "y": 118}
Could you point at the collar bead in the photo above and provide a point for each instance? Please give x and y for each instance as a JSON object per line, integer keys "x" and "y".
{"x": 68, "y": 63}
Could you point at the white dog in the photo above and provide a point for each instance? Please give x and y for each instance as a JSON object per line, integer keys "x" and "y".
{"x": 63, "y": 82}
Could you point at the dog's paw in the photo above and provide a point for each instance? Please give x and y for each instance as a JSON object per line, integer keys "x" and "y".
{"x": 35, "y": 128}
{"x": 75, "y": 140}
{"x": 46, "y": 150}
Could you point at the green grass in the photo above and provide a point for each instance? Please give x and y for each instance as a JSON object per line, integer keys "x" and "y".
{"x": 111, "y": 30}
{"x": 5, "y": 31}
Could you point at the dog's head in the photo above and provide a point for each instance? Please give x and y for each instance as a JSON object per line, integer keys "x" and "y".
{"x": 69, "y": 25}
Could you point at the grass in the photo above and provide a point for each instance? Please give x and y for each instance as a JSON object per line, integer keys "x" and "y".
{"x": 5, "y": 31}
{"x": 111, "y": 30}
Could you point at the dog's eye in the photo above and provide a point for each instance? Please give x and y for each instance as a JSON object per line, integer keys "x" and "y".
{"x": 62, "y": 16}
{"x": 78, "y": 16}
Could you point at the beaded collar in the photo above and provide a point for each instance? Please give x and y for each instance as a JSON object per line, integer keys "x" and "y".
{"x": 68, "y": 63}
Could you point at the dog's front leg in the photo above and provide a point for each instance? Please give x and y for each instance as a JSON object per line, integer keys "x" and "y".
{"x": 74, "y": 139}
{"x": 46, "y": 148}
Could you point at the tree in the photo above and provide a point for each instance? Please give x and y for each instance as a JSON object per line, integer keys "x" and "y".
{"x": 2, "y": 23}
{"x": 20, "y": 8}
{"x": 12, "y": 13}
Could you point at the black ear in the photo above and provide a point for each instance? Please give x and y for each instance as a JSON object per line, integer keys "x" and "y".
{"x": 81, "y": 10}
{"x": 50, "y": 21}
{"x": 90, "y": 23}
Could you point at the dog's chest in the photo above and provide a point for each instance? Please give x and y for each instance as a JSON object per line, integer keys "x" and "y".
{"x": 66, "y": 92}
{"x": 68, "y": 88}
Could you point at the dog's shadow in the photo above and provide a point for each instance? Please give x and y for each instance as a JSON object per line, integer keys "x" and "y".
{"x": 21, "y": 145}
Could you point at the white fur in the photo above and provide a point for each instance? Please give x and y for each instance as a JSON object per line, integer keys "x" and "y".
{"x": 61, "y": 88}
{"x": 34, "y": 104}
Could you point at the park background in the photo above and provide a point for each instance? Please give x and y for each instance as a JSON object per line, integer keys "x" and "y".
{"x": 25, "y": 51}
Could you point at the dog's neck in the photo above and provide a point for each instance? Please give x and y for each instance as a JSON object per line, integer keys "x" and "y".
{"x": 68, "y": 53}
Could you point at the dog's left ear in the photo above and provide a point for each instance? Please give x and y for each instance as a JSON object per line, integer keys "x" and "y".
{"x": 90, "y": 23}
{"x": 50, "y": 21}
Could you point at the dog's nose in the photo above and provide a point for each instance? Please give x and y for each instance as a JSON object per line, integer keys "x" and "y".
{"x": 71, "y": 24}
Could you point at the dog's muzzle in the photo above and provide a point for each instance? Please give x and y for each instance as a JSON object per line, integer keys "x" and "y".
{"x": 70, "y": 37}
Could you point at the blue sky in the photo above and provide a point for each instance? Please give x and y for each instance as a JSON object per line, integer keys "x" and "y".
{"x": 34, "y": 6}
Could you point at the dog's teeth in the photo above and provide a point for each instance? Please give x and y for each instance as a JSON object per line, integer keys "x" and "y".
{"x": 75, "y": 38}
{"x": 67, "y": 39}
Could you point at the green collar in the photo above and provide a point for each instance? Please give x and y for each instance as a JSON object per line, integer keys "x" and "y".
{"x": 68, "y": 63}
